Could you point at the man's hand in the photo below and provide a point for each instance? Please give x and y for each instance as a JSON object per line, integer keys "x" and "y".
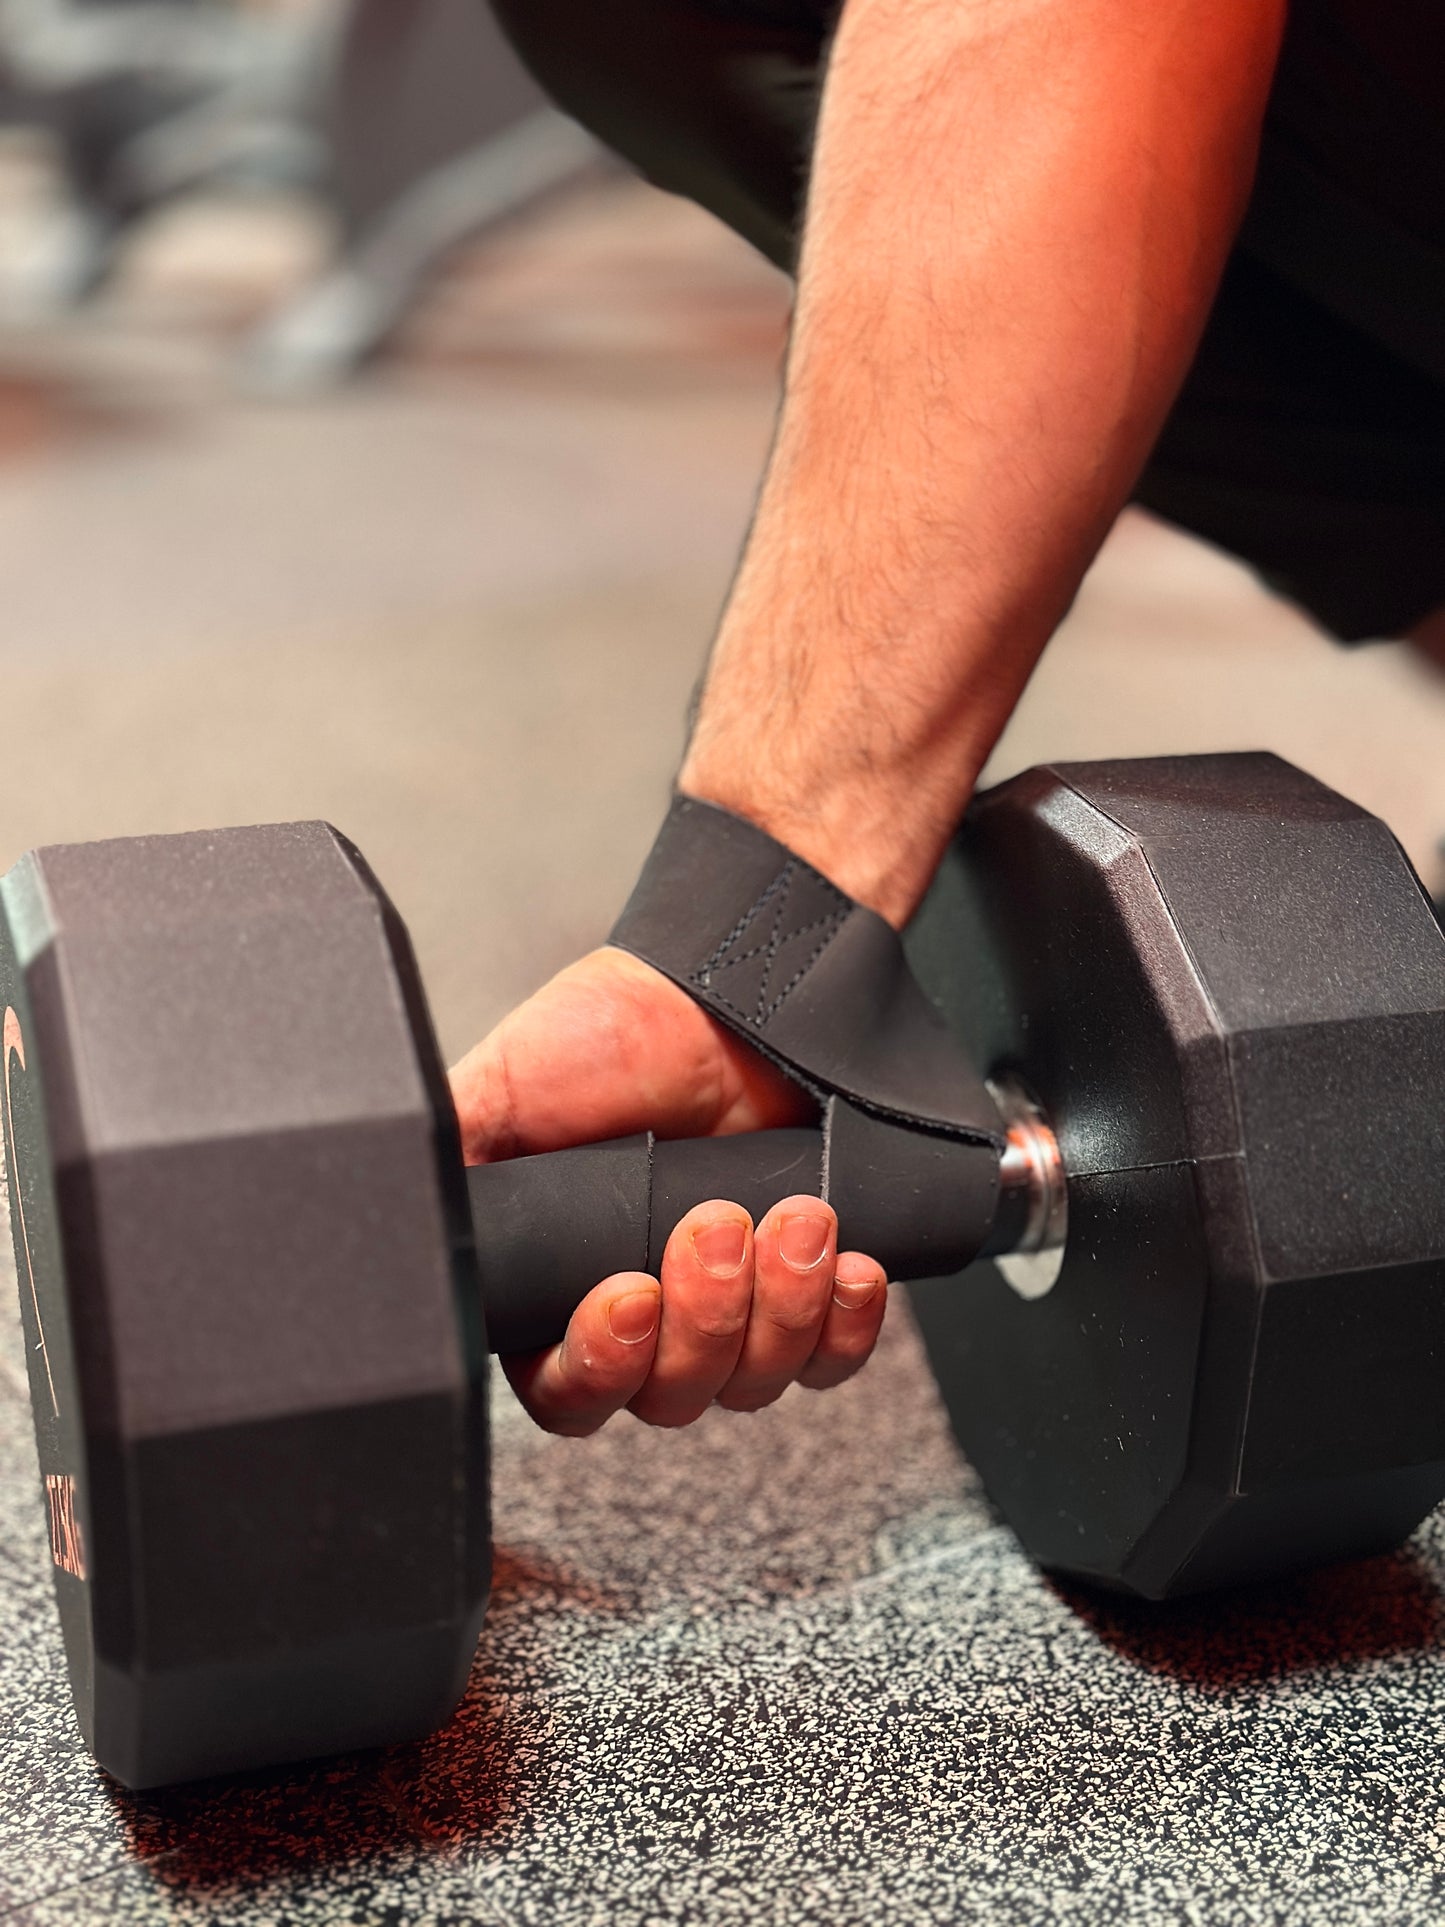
{"x": 1017, "y": 217}
{"x": 610, "y": 1047}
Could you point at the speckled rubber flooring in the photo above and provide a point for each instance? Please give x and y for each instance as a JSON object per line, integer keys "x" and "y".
{"x": 785, "y": 1668}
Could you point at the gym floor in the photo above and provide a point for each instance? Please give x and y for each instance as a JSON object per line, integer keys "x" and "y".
{"x": 780, "y": 1668}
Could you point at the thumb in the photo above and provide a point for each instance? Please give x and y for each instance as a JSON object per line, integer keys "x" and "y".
{"x": 610, "y": 1046}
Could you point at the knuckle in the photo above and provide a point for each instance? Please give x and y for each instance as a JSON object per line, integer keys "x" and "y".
{"x": 851, "y": 1336}
{"x": 848, "y": 1358}
{"x": 851, "y": 1351}
{"x": 794, "y": 1320}
{"x": 719, "y": 1325}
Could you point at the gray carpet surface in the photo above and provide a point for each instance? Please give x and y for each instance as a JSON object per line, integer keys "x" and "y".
{"x": 786, "y": 1668}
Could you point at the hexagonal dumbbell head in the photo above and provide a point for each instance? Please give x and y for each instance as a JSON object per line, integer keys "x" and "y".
{"x": 1227, "y": 987}
{"x": 244, "y": 1258}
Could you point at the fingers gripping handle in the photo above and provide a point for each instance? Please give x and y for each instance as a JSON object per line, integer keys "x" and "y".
{"x": 549, "y": 1228}
{"x": 909, "y": 1147}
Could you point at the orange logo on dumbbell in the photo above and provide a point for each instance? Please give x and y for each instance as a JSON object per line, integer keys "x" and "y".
{"x": 14, "y": 1046}
{"x": 67, "y": 1546}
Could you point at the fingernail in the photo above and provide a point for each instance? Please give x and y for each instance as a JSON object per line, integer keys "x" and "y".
{"x": 720, "y": 1246}
{"x": 853, "y": 1297}
{"x": 802, "y": 1241}
{"x": 633, "y": 1316}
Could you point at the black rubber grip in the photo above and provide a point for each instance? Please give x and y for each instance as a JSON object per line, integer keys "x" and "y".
{"x": 549, "y": 1228}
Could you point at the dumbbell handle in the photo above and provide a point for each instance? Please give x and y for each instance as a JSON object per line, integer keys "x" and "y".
{"x": 550, "y": 1227}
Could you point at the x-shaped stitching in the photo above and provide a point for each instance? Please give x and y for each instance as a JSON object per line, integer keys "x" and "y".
{"x": 727, "y": 957}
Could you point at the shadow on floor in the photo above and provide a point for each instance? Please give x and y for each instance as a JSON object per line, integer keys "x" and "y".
{"x": 471, "y": 1785}
{"x": 1319, "y": 1622}
{"x": 468, "y": 1785}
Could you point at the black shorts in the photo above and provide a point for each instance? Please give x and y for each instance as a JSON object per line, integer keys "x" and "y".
{"x": 1297, "y": 442}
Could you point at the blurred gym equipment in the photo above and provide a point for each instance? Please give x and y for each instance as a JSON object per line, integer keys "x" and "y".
{"x": 411, "y": 120}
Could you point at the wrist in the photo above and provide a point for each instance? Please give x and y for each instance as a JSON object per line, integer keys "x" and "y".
{"x": 856, "y": 745}
{"x": 879, "y": 836}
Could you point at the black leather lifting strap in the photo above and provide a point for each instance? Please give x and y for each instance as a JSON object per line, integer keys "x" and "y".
{"x": 820, "y": 985}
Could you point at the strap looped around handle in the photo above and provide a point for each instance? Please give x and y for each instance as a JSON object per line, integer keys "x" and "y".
{"x": 814, "y": 980}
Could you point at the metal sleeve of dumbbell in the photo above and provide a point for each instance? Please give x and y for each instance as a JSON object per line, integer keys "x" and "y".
{"x": 924, "y": 1164}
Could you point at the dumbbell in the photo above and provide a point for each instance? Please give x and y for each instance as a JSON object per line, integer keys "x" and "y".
{"x": 259, "y": 1289}
{"x": 1202, "y": 1344}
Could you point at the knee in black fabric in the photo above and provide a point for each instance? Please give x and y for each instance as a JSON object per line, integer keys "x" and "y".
{"x": 711, "y": 99}
{"x": 1304, "y": 448}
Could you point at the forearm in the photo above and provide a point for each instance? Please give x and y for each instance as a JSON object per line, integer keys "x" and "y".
{"x": 1017, "y": 218}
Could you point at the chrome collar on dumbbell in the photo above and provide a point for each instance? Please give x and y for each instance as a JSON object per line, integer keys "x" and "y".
{"x": 1031, "y": 1224}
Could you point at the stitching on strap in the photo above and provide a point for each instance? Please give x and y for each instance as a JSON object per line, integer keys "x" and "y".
{"x": 778, "y": 893}
{"x": 831, "y": 921}
{"x": 835, "y": 924}
{"x": 701, "y": 974}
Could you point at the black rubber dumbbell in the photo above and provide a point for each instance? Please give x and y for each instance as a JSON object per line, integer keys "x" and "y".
{"x": 258, "y": 1286}
{"x": 1226, "y": 986}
